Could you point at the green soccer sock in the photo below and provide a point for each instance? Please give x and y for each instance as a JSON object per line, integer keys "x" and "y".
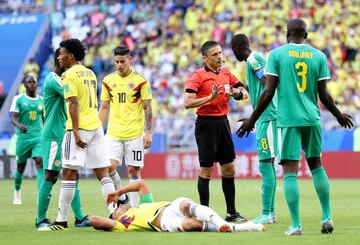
{"x": 147, "y": 198}
{"x": 267, "y": 187}
{"x": 272, "y": 208}
{"x": 291, "y": 188}
{"x": 322, "y": 187}
{"x": 18, "y": 177}
{"x": 76, "y": 203}
{"x": 44, "y": 200}
{"x": 39, "y": 177}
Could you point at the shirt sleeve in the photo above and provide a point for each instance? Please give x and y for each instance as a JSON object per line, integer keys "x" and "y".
{"x": 272, "y": 67}
{"x": 324, "y": 69}
{"x": 105, "y": 91}
{"x": 15, "y": 107}
{"x": 194, "y": 82}
{"x": 70, "y": 86}
{"x": 234, "y": 82}
{"x": 146, "y": 91}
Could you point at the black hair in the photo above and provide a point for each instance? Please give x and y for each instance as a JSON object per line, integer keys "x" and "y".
{"x": 240, "y": 40}
{"x": 296, "y": 27}
{"x": 56, "y": 56}
{"x": 27, "y": 77}
{"x": 208, "y": 45}
{"x": 121, "y": 50}
{"x": 75, "y": 47}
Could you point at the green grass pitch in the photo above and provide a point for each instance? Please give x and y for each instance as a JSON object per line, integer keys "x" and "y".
{"x": 17, "y": 222}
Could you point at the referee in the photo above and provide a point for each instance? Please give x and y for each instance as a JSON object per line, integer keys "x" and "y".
{"x": 208, "y": 89}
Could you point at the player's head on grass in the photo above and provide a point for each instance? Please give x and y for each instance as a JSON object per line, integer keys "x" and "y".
{"x": 240, "y": 45}
{"x": 31, "y": 85}
{"x": 122, "y": 60}
{"x": 296, "y": 31}
{"x": 57, "y": 69}
{"x": 72, "y": 51}
{"x": 212, "y": 55}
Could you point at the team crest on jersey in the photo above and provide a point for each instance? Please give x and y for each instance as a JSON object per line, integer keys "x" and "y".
{"x": 126, "y": 221}
{"x": 114, "y": 85}
{"x": 57, "y": 163}
{"x": 40, "y": 107}
{"x": 131, "y": 85}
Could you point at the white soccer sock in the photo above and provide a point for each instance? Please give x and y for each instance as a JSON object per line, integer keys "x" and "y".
{"x": 114, "y": 175}
{"x": 207, "y": 226}
{"x": 107, "y": 186}
{"x": 206, "y": 214}
{"x": 67, "y": 193}
{"x": 247, "y": 226}
{"x": 134, "y": 196}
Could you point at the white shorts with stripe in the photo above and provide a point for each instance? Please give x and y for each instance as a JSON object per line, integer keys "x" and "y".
{"x": 93, "y": 156}
{"x": 172, "y": 217}
{"x": 131, "y": 150}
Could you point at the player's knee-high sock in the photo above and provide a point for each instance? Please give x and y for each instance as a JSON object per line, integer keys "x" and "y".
{"x": 228, "y": 187}
{"x": 203, "y": 189}
{"x": 107, "y": 186}
{"x": 44, "y": 200}
{"x": 115, "y": 177}
{"x": 207, "y": 226}
{"x": 267, "y": 187}
{"x": 322, "y": 187}
{"x": 39, "y": 177}
{"x": 18, "y": 177}
{"x": 134, "y": 196}
{"x": 76, "y": 203}
{"x": 67, "y": 193}
{"x": 205, "y": 214}
{"x": 291, "y": 189}
{"x": 272, "y": 208}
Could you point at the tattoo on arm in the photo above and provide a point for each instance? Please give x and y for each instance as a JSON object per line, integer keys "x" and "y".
{"x": 148, "y": 114}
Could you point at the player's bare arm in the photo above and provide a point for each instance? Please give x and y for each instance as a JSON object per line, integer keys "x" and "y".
{"x": 324, "y": 96}
{"x": 15, "y": 121}
{"x": 137, "y": 186}
{"x": 192, "y": 102}
{"x": 264, "y": 100}
{"x": 74, "y": 115}
{"x": 148, "y": 123}
{"x": 104, "y": 111}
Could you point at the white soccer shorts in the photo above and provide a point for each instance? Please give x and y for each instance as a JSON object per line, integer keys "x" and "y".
{"x": 172, "y": 218}
{"x": 132, "y": 150}
{"x": 93, "y": 156}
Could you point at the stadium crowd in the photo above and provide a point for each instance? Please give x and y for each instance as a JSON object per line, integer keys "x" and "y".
{"x": 164, "y": 37}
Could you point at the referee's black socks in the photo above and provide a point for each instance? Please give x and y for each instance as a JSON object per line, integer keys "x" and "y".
{"x": 203, "y": 189}
{"x": 228, "y": 186}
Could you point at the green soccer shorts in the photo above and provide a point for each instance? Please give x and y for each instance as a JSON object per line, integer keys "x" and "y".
{"x": 293, "y": 139}
{"x": 267, "y": 140}
{"x": 51, "y": 154}
{"x": 26, "y": 148}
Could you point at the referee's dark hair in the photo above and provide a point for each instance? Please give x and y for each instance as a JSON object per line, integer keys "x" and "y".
{"x": 121, "y": 50}
{"x": 208, "y": 45}
{"x": 75, "y": 47}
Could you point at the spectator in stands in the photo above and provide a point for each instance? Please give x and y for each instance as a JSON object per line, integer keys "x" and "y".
{"x": 32, "y": 68}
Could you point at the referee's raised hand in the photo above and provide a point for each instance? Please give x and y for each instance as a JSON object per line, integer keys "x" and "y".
{"x": 215, "y": 91}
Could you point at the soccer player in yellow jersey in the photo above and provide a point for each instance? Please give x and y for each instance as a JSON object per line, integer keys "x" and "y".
{"x": 182, "y": 214}
{"x": 128, "y": 97}
{"x": 84, "y": 137}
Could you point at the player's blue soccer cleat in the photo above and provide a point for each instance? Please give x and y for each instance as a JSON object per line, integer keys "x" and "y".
{"x": 263, "y": 219}
{"x": 327, "y": 227}
{"x": 43, "y": 223}
{"x": 294, "y": 231}
{"x": 85, "y": 222}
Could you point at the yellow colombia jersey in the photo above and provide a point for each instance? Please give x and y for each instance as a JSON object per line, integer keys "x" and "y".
{"x": 81, "y": 82}
{"x": 126, "y": 119}
{"x": 138, "y": 219}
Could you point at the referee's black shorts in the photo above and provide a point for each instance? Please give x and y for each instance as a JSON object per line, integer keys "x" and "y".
{"x": 213, "y": 138}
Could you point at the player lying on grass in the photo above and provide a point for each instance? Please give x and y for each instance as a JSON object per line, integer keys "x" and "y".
{"x": 182, "y": 214}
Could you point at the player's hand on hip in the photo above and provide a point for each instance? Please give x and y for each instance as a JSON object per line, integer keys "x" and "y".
{"x": 79, "y": 141}
{"x": 23, "y": 129}
{"x": 246, "y": 127}
{"x": 147, "y": 140}
{"x": 215, "y": 91}
{"x": 345, "y": 120}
